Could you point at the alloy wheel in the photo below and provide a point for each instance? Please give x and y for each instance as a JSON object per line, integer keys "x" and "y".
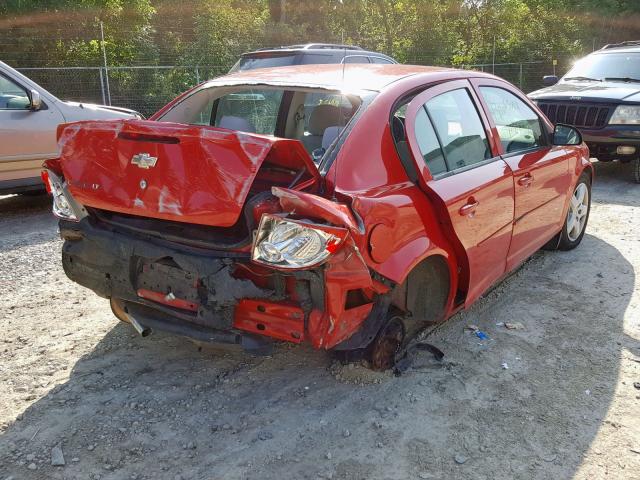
{"x": 578, "y": 210}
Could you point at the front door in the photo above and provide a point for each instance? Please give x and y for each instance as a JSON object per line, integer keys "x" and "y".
{"x": 541, "y": 171}
{"x": 464, "y": 176}
{"x": 26, "y": 137}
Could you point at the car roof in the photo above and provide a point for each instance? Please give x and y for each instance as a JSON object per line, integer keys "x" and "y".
{"x": 617, "y": 50}
{"x": 351, "y": 77}
{"x": 632, "y": 46}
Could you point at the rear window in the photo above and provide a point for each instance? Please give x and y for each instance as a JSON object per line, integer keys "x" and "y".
{"x": 313, "y": 58}
{"x": 251, "y": 110}
{"x": 314, "y": 116}
{"x": 250, "y": 63}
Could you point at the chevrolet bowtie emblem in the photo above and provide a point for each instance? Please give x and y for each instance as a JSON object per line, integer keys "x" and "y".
{"x": 144, "y": 160}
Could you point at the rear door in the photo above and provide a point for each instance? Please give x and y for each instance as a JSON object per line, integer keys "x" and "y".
{"x": 463, "y": 174}
{"x": 541, "y": 171}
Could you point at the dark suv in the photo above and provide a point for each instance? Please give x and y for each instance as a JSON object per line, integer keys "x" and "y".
{"x": 308, "y": 54}
{"x": 601, "y": 96}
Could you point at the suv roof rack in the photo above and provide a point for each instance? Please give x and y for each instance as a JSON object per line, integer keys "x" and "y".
{"x": 309, "y": 46}
{"x": 628, "y": 43}
{"x": 336, "y": 46}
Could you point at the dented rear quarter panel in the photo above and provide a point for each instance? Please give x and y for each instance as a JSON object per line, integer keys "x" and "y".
{"x": 401, "y": 226}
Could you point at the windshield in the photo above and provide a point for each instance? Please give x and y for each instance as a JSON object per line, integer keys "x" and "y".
{"x": 607, "y": 65}
{"x": 249, "y": 63}
{"x": 314, "y": 116}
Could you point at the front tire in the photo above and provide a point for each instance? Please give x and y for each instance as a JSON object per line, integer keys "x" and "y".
{"x": 635, "y": 167}
{"x": 578, "y": 215}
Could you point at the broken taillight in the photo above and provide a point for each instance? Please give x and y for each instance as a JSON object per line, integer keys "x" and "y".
{"x": 285, "y": 243}
{"x": 44, "y": 174}
{"x": 63, "y": 204}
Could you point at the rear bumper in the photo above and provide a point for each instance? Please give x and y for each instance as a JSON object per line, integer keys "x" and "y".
{"x": 603, "y": 143}
{"x": 215, "y": 295}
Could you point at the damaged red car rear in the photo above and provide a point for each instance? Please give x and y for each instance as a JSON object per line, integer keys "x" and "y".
{"x": 348, "y": 206}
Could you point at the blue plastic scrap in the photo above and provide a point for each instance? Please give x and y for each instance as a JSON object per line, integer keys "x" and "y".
{"x": 481, "y": 335}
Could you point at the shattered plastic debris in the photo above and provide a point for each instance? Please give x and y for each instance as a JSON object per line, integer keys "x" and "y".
{"x": 404, "y": 363}
{"x": 514, "y": 326}
{"x": 511, "y": 325}
{"x": 475, "y": 329}
{"x": 57, "y": 457}
{"x": 505, "y": 366}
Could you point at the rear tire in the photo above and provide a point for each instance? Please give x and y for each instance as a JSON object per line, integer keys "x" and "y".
{"x": 420, "y": 302}
{"x": 575, "y": 223}
{"x": 635, "y": 167}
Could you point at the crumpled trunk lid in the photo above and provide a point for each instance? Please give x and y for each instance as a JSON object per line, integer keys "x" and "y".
{"x": 185, "y": 173}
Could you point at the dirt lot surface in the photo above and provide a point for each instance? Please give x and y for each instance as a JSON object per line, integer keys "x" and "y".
{"x": 553, "y": 399}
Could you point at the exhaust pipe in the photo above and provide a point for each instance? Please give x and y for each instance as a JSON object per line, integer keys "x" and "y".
{"x": 141, "y": 329}
{"x": 123, "y": 315}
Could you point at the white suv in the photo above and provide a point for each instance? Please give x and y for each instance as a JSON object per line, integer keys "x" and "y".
{"x": 29, "y": 117}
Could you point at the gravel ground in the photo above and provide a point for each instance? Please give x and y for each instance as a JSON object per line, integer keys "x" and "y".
{"x": 553, "y": 399}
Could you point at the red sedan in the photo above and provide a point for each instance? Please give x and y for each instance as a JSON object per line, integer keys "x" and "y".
{"x": 345, "y": 206}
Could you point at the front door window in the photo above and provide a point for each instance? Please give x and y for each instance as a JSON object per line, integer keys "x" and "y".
{"x": 12, "y": 95}
{"x": 518, "y": 125}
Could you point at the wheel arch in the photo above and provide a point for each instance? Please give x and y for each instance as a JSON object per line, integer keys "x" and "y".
{"x": 585, "y": 168}
{"x": 583, "y": 164}
{"x": 434, "y": 272}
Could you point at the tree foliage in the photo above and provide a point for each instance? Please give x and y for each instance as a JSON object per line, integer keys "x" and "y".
{"x": 211, "y": 34}
{"x": 66, "y": 32}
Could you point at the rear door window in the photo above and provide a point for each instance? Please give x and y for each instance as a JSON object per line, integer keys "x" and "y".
{"x": 356, "y": 59}
{"x": 428, "y": 143}
{"x": 313, "y": 58}
{"x": 459, "y": 129}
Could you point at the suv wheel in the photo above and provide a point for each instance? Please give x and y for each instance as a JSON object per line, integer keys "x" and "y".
{"x": 635, "y": 166}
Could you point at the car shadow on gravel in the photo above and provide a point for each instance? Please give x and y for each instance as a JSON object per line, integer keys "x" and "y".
{"x": 616, "y": 180}
{"x": 161, "y": 407}
{"x": 26, "y": 220}
{"x": 16, "y": 204}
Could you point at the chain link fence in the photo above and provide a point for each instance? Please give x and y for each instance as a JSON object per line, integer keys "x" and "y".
{"x": 526, "y": 76}
{"x": 143, "y": 88}
{"x": 147, "y": 88}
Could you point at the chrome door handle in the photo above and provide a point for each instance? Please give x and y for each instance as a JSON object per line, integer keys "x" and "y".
{"x": 469, "y": 209}
{"x": 525, "y": 181}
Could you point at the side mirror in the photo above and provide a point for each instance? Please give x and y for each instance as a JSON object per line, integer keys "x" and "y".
{"x": 35, "y": 102}
{"x": 549, "y": 80}
{"x": 566, "y": 135}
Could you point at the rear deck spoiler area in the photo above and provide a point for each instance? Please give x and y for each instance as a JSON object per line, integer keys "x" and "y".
{"x": 185, "y": 173}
